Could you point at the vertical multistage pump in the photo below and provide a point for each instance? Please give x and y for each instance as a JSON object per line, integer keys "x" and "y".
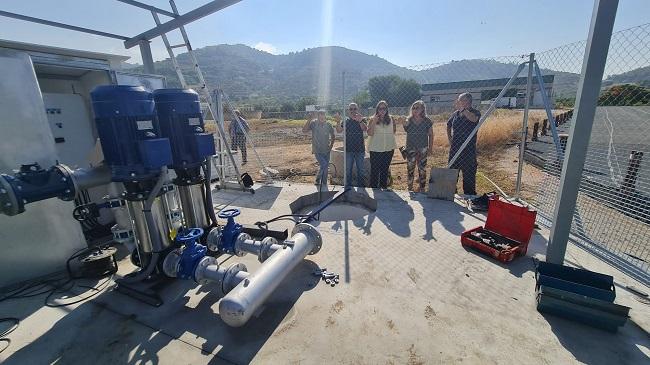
{"x": 137, "y": 154}
{"x": 181, "y": 121}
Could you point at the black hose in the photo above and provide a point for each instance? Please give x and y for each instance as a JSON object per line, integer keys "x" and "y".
{"x": 155, "y": 239}
{"x": 209, "y": 207}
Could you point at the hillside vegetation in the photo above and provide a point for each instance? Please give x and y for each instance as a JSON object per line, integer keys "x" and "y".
{"x": 259, "y": 78}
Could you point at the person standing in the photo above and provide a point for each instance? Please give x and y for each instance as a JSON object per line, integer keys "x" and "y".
{"x": 355, "y": 149}
{"x": 459, "y": 127}
{"x": 419, "y": 143}
{"x": 238, "y": 129}
{"x": 381, "y": 144}
{"x": 322, "y": 141}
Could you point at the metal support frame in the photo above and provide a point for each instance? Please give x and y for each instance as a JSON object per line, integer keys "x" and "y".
{"x": 549, "y": 113}
{"x": 153, "y": 9}
{"x": 345, "y": 144}
{"x": 147, "y": 57}
{"x": 221, "y": 162}
{"x": 265, "y": 169}
{"x": 593, "y": 66}
{"x": 62, "y": 25}
{"x": 179, "y": 21}
{"x": 524, "y": 126}
{"x": 487, "y": 114}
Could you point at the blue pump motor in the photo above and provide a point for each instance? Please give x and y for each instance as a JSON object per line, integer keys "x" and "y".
{"x": 180, "y": 118}
{"x": 129, "y": 132}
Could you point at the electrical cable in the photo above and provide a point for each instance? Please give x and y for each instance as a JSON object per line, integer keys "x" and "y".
{"x": 98, "y": 289}
{"x": 94, "y": 269}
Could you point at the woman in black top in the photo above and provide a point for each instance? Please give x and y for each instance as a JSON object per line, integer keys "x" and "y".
{"x": 419, "y": 143}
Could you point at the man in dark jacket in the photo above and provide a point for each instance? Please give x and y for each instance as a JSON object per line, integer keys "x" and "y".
{"x": 355, "y": 148}
{"x": 459, "y": 127}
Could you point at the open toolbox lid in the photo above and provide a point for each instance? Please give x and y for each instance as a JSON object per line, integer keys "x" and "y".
{"x": 510, "y": 220}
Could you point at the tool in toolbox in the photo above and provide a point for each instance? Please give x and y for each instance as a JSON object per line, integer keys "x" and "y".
{"x": 507, "y": 230}
{"x": 329, "y": 278}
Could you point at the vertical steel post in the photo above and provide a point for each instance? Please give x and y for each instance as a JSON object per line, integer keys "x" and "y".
{"x": 345, "y": 147}
{"x": 593, "y": 66}
{"x": 524, "y": 126}
{"x": 147, "y": 57}
{"x": 221, "y": 141}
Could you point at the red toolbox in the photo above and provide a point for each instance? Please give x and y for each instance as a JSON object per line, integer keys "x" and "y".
{"x": 506, "y": 233}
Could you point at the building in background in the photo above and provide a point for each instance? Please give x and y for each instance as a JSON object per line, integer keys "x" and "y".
{"x": 441, "y": 96}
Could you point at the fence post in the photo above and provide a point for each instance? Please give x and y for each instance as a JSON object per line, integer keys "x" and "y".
{"x": 345, "y": 147}
{"x": 633, "y": 166}
{"x": 219, "y": 118}
{"x": 524, "y": 127}
{"x": 535, "y": 132}
{"x": 593, "y": 67}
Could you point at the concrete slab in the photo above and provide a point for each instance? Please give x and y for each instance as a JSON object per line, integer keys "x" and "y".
{"x": 409, "y": 293}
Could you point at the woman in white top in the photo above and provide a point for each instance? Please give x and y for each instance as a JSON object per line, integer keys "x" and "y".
{"x": 381, "y": 144}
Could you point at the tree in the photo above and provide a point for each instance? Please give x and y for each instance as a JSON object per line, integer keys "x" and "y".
{"x": 626, "y": 94}
{"x": 395, "y": 90}
{"x": 287, "y": 107}
{"x": 304, "y": 101}
{"x": 362, "y": 99}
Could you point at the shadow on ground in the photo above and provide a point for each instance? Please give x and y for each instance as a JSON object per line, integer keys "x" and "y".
{"x": 263, "y": 199}
{"x": 594, "y": 346}
{"x": 105, "y": 329}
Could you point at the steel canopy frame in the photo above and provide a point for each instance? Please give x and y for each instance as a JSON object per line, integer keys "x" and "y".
{"x": 61, "y": 25}
{"x": 141, "y": 39}
{"x": 198, "y": 13}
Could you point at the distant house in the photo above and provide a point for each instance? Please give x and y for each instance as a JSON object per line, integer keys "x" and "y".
{"x": 441, "y": 96}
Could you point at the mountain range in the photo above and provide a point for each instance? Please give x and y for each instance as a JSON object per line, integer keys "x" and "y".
{"x": 247, "y": 74}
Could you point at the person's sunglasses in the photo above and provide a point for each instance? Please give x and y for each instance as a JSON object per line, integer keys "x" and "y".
{"x": 353, "y": 109}
{"x": 417, "y": 108}
{"x": 382, "y": 108}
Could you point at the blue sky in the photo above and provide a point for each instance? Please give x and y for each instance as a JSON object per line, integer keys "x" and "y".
{"x": 407, "y": 32}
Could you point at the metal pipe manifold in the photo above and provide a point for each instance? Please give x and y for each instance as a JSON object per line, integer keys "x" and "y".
{"x": 237, "y": 307}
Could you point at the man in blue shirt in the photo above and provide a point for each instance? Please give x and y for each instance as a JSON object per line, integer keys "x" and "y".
{"x": 459, "y": 127}
{"x": 355, "y": 150}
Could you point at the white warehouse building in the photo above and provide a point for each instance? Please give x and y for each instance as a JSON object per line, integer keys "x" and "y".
{"x": 441, "y": 96}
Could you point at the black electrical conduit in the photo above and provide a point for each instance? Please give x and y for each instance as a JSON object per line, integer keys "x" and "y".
{"x": 209, "y": 207}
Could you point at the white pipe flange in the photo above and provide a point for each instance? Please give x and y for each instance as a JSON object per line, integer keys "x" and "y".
{"x": 241, "y": 238}
{"x": 265, "y": 248}
{"x": 199, "y": 272}
{"x": 213, "y": 240}
{"x": 229, "y": 282}
{"x": 170, "y": 263}
{"x": 312, "y": 234}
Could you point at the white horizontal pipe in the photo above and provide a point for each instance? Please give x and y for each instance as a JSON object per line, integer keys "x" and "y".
{"x": 238, "y": 306}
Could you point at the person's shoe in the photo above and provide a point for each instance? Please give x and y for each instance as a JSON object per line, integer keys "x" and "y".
{"x": 244, "y": 163}
{"x": 481, "y": 203}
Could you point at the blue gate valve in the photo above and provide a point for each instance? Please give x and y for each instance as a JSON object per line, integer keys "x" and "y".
{"x": 230, "y": 231}
{"x": 192, "y": 252}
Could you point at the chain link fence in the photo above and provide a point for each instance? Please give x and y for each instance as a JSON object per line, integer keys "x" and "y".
{"x": 277, "y": 128}
{"x": 397, "y": 147}
{"x": 612, "y": 214}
